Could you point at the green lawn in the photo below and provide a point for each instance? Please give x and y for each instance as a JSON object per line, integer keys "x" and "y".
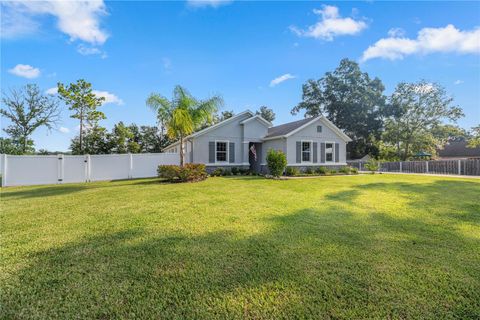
{"x": 370, "y": 246}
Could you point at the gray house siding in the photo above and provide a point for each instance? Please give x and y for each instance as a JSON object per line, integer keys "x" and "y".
{"x": 231, "y": 132}
{"x": 310, "y": 133}
{"x": 276, "y": 144}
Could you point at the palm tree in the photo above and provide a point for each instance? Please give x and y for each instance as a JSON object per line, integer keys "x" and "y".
{"x": 183, "y": 114}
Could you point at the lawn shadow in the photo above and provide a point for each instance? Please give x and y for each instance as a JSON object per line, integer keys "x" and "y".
{"x": 42, "y": 191}
{"x": 307, "y": 264}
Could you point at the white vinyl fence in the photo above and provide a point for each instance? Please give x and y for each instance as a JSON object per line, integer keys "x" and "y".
{"x": 36, "y": 169}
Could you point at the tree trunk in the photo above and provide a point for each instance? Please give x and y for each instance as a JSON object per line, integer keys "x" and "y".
{"x": 181, "y": 150}
{"x": 81, "y": 132}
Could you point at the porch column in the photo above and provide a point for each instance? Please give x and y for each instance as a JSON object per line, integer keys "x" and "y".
{"x": 245, "y": 151}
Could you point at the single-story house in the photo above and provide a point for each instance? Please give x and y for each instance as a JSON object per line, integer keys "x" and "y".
{"x": 243, "y": 141}
{"x": 458, "y": 150}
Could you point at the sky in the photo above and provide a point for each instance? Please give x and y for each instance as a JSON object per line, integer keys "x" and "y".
{"x": 250, "y": 53}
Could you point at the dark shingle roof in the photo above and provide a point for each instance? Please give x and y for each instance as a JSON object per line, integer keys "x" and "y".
{"x": 458, "y": 149}
{"x": 286, "y": 128}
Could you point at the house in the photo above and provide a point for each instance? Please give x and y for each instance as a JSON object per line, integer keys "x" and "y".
{"x": 458, "y": 150}
{"x": 243, "y": 141}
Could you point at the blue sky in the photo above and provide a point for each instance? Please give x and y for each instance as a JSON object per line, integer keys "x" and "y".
{"x": 237, "y": 49}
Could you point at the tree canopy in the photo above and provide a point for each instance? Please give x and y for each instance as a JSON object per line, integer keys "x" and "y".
{"x": 352, "y": 100}
{"x": 27, "y": 109}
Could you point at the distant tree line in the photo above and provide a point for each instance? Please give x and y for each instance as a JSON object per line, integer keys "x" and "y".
{"x": 416, "y": 117}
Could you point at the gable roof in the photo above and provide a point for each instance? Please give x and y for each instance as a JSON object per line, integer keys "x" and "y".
{"x": 458, "y": 149}
{"x": 287, "y": 129}
{"x": 259, "y": 118}
{"x": 207, "y": 129}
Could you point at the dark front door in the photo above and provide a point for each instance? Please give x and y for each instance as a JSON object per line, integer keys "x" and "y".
{"x": 255, "y": 163}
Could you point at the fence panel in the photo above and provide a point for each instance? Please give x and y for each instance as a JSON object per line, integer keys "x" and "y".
{"x": 30, "y": 170}
{"x": 470, "y": 167}
{"x": 145, "y": 165}
{"x": 109, "y": 167}
{"x": 75, "y": 169}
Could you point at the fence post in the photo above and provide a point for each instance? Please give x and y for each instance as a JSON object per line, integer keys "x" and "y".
{"x": 459, "y": 167}
{"x": 4, "y": 170}
{"x": 87, "y": 168}
{"x": 360, "y": 166}
{"x": 426, "y": 166}
{"x": 61, "y": 168}
{"x": 400, "y": 166}
{"x": 130, "y": 167}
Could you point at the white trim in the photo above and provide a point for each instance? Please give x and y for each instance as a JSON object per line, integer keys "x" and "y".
{"x": 333, "y": 151}
{"x": 258, "y": 117}
{"x": 220, "y": 164}
{"x": 317, "y": 164}
{"x": 217, "y": 125}
{"x": 311, "y": 151}
{"x": 227, "y": 159}
{"x": 336, "y": 129}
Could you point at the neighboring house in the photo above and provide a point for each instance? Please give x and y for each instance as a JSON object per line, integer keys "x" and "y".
{"x": 458, "y": 150}
{"x": 234, "y": 142}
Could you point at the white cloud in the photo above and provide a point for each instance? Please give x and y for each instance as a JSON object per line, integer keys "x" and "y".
{"x": 52, "y": 91}
{"x": 86, "y": 51}
{"x": 396, "y": 32}
{"x": 429, "y": 40}
{"x": 331, "y": 25}
{"x": 80, "y": 20}
{"x": 25, "y": 71}
{"x": 208, "y": 3}
{"x": 64, "y": 130}
{"x": 457, "y": 82}
{"x": 109, "y": 97}
{"x": 281, "y": 79}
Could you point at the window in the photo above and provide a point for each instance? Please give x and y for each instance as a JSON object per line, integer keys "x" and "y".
{"x": 329, "y": 152}
{"x": 221, "y": 151}
{"x": 306, "y": 151}
{"x": 319, "y": 128}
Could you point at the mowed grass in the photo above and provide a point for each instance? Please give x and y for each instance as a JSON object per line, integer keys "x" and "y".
{"x": 370, "y": 246}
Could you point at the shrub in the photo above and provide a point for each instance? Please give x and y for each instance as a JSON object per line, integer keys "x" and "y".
{"x": 354, "y": 170}
{"x": 244, "y": 171}
{"x": 235, "y": 171}
{"x": 333, "y": 171}
{"x": 345, "y": 170}
{"x": 372, "y": 165}
{"x": 309, "y": 170}
{"x": 321, "y": 170}
{"x": 190, "y": 172}
{"x": 276, "y": 162}
{"x": 227, "y": 172}
{"x": 291, "y": 171}
{"x": 217, "y": 172}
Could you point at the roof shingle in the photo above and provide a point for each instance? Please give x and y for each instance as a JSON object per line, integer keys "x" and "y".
{"x": 286, "y": 128}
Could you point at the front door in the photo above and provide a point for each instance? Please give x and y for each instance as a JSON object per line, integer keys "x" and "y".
{"x": 255, "y": 148}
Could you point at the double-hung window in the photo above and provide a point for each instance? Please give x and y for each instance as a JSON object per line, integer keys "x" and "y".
{"x": 221, "y": 151}
{"x": 329, "y": 152}
{"x": 306, "y": 151}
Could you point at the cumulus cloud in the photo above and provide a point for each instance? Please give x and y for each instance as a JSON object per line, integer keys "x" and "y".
{"x": 281, "y": 79}
{"x": 429, "y": 40}
{"x": 208, "y": 3}
{"x": 109, "y": 97}
{"x": 457, "y": 82}
{"x": 52, "y": 91}
{"x": 64, "y": 130}
{"x": 25, "y": 71}
{"x": 331, "y": 25}
{"x": 80, "y": 20}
